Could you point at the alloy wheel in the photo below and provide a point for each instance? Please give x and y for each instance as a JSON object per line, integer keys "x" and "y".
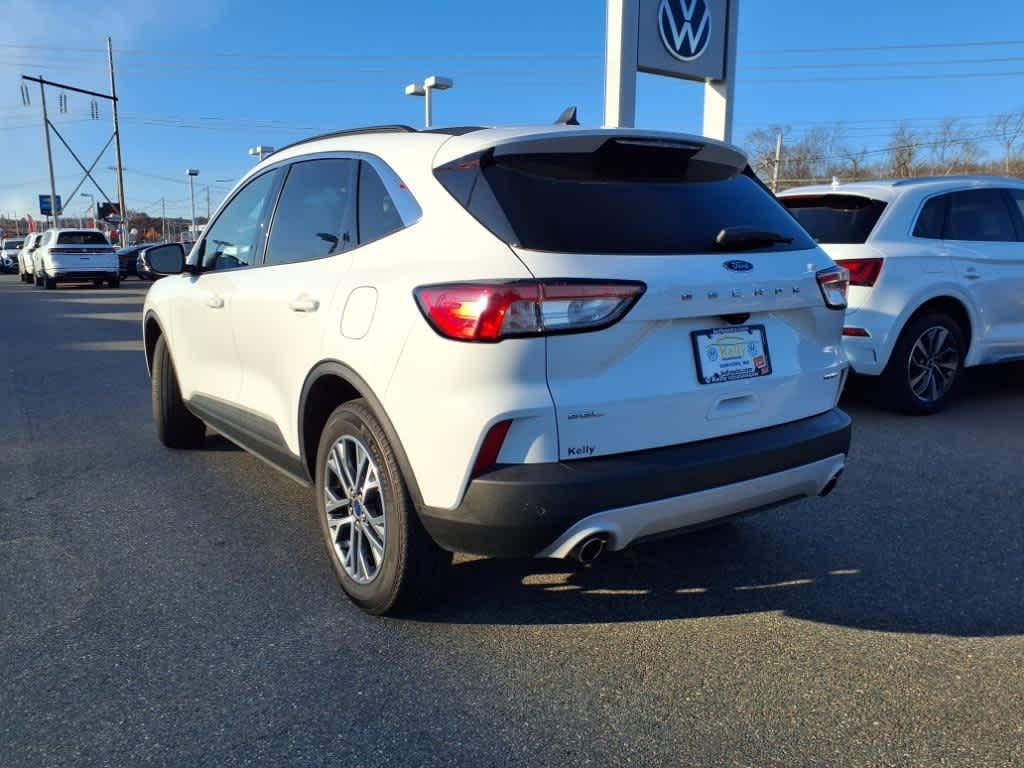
{"x": 354, "y": 507}
{"x": 933, "y": 364}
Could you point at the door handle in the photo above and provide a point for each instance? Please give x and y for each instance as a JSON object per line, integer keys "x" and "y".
{"x": 303, "y": 305}
{"x": 972, "y": 274}
{"x": 214, "y": 302}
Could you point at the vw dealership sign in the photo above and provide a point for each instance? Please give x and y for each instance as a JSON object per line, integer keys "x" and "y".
{"x": 683, "y": 38}
{"x": 687, "y": 39}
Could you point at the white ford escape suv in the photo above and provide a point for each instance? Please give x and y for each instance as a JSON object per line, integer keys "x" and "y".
{"x": 505, "y": 341}
{"x": 937, "y": 277}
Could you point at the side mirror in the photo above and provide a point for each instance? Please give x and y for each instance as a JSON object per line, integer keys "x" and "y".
{"x": 166, "y": 259}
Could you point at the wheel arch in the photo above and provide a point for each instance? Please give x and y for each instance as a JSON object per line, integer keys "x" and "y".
{"x": 951, "y": 305}
{"x": 152, "y": 330}
{"x": 328, "y": 385}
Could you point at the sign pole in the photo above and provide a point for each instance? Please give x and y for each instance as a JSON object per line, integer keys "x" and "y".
{"x": 719, "y": 94}
{"x": 123, "y": 208}
{"x": 620, "y": 61}
{"x": 49, "y": 153}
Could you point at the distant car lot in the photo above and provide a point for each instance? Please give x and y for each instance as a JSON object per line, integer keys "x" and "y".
{"x": 172, "y": 610}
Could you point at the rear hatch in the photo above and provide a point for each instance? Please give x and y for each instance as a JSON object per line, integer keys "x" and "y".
{"x": 83, "y": 250}
{"x": 732, "y": 332}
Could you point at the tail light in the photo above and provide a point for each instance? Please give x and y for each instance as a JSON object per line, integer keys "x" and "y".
{"x": 863, "y": 272}
{"x": 834, "y": 283}
{"x": 491, "y": 312}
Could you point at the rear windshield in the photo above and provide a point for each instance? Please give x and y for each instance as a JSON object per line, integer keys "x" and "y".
{"x": 628, "y": 196}
{"x": 11, "y": 244}
{"x": 81, "y": 238}
{"x": 836, "y": 219}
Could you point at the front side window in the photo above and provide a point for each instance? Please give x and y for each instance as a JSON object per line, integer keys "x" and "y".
{"x": 377, "y": 213}
{"x": 317, "y": 213}
{"x": 980, "y": 215}
{"x": 235, "y": 238}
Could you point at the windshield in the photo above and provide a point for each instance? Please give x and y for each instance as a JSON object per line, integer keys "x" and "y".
{"x": 628, "y": 196}
{"x": 836, "y": 219}
{"x": 81, "y": 238}
{"x": 11, "y": 245}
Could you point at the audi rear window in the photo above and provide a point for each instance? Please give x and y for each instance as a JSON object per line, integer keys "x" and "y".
{"x": 836, "y": 219}
{"x": 81, "y": 238}
{"x": 626, "y": 197}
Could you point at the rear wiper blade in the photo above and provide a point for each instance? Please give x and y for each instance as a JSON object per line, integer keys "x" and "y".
{"x": 747, "y": 238}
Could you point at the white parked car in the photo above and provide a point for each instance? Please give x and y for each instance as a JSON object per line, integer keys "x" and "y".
{"x": 9, "y": 248}
{"x": 26, "y": 264}
{"x": 936, "y": 274}
{"x": 76, "y": 255}
{"x": 509, "y": 342}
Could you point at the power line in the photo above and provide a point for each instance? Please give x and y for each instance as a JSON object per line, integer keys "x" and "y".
{"x": 874, "y": 78}
{"x": 891, "y": 47}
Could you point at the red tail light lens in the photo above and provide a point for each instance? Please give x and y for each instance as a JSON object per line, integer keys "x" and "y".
{"x": 859, "y": 333}
{"x": 494, "y": 311}
{"x": 491, "y": 447}
{"x": 834, "y": 283}
{"x": 863, "y": 272}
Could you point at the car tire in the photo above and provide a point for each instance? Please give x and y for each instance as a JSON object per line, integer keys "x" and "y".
{"x": 410, "y": 567}
{"x": 924, "y": 369}
{"x": 176, "y": 426}
{"x": 49, "y": 283}
{"x": 38, "y": 281}
{"x": 115, "y": 283}
{"x": 97, "y": 283}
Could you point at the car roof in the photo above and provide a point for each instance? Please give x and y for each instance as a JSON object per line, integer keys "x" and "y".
{"x": 889, "y": 189}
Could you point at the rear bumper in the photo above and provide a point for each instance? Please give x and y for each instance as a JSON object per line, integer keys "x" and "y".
{"x": 545, "y": 509}
{"x": 87, "y": 273}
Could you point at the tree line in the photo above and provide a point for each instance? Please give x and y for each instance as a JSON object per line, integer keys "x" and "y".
{"x": 954, "y": 146}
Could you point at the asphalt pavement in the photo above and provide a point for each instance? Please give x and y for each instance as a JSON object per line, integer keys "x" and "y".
{"x": 177, "y": 609}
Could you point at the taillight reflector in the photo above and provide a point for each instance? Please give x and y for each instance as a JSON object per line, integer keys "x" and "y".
{"x": 491, "y": 447}
{"x": 860, "y": 333}
{"x": 494, "y": 311}
{"x": 863, "y": 272}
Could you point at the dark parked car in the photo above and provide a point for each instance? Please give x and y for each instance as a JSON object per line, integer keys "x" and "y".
{"x": 126, "y": 258}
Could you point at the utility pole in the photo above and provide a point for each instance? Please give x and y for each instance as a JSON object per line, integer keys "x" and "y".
{"x": 49, "y": 154}
{"x": 163, "y": 220}
{"x": 117, "y": 145}
{"x": 778, "y": 162}
{"x": 207, "y": 203}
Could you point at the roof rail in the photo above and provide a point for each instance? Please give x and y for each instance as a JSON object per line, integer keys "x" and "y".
{"x": 953, "y": 177}
{"x": 348, "y": 132}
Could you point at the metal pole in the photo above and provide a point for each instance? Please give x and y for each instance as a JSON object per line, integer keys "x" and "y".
{"x": 428, "y": 113}
{"x": 778, "y": 162}
{"x": 49, "y": 154}
{"x": 117, "y": 144}
{"x": 163, "y": 220}
{"x": 207, "y": 203}
{"x": 620, "y": 63}
{"x": 719, "y": 95}
{"x": 192, "y": 189}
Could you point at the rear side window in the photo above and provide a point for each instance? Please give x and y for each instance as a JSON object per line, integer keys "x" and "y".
{"x": 316, "y": 216}
{"x": 628, "y": 196}
{"x": 835, "y": 219}
{"x": 377, "y": 213}
{"x": 81, "y": 238}
{"x": 931, "y": 222}
{"x": 979, "y": 215}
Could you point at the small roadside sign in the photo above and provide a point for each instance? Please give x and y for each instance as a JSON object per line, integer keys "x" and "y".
{"x": 46, "y": 208}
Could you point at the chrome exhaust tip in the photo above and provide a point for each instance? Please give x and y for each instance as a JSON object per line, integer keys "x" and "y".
{"x": 831, "y": 484}
{"x": 588, "y": 550}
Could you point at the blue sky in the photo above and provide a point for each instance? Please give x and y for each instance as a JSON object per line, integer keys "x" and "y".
{"x": 202, "y": 80}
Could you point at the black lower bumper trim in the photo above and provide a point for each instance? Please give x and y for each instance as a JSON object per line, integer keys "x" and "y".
{"x": 517, "y": 510}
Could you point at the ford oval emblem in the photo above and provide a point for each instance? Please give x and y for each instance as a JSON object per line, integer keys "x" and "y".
{"x": 738, "y": 265}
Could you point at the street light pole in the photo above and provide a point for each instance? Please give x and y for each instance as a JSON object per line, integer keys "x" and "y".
{"x": 192, "y": 173}
{"x": 431, "y": 84}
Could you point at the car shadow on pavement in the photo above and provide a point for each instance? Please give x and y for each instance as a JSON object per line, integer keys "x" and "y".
{"x": 922, "y": 535}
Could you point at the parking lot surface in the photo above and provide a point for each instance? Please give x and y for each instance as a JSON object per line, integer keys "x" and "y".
{"x": 176, "y": 608}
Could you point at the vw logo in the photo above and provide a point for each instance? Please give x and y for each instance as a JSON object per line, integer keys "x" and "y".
{"x": 738, "y": 265}
{"x": 685, "y": 27}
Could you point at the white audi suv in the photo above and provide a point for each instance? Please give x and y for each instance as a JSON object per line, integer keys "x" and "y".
{"x": 534, "y": 341}
{"x": 75, "y": 255}
{"x": 936, "y": 277}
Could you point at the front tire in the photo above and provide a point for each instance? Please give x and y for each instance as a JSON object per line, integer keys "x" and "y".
{"x": 925, "y": 367}
{"x": 49, "y": 283}
{"x": 382, "y": 556}
{"x": 114, "y": 283}
{"x": 176, "y": 426}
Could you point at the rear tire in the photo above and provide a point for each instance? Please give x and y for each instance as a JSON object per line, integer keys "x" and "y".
{"x": 49, "y": 283}
{"x": 176, "y": 426}
{"x": 115, "y": 283}
{"x": 924, "y": 370}
{"x": 411, "y": 567}
{"x": 38, "y": 281}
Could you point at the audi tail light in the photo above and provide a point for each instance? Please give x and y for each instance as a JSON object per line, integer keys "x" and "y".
{"x": 863, "y": 272}
{"x": 834, "y": 283}
{"x": 490, "y": 312}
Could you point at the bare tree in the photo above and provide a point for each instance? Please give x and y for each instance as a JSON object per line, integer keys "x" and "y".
{"x": 1008, "y": 128}
{"x": 953, "y": 148}
{"x": 903, "y": 148}
{"x": 760, "y": 146}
